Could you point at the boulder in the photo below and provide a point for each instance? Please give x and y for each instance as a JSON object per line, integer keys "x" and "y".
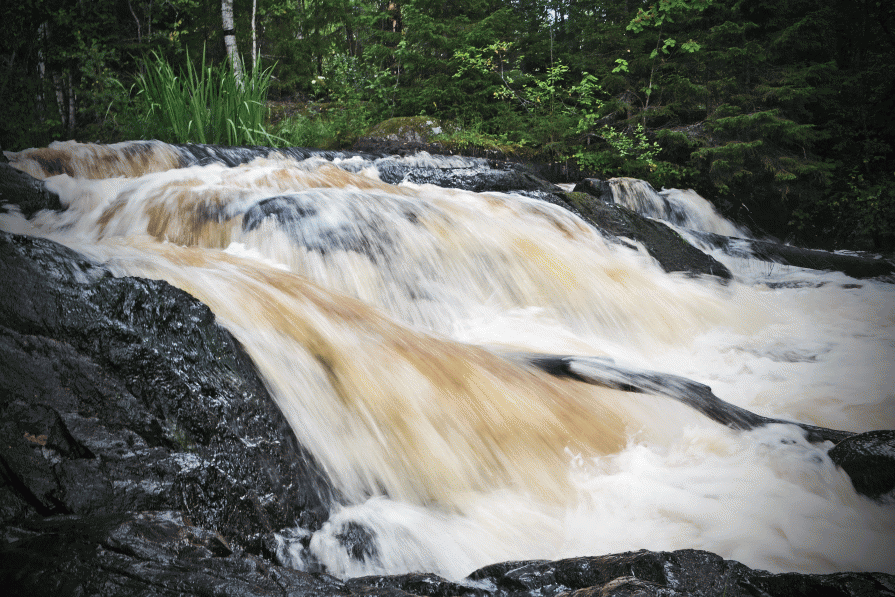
{"x": 869, "y": 460}
{"x": 470, "y": 174}
{"x": 123, "y": 394}
{"x": 148, "y": 554}
{"x": 679, "y": 573}
{"x": 406, "y": 129}
{"x": 30, "y": 194}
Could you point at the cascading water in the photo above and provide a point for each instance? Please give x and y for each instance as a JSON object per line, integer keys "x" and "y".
{"x": 683, "y": 208}
{"x": 388, "y": 322}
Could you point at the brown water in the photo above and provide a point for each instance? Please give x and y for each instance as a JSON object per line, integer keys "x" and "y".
{"x": 384, "y": 319}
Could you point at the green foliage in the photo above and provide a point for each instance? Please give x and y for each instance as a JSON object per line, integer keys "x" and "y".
{"x": 304, "y": 130}
{"x": 634, "y": 145}
{"x": 781, "y": 107}
{"x": 331, "y": 126}
{"x": 473, "y": 135}
{"x": 858, "y": 213}
{"x": 205, "y": 104}
{"x": 871, "y": 206}
{"x": 659, "y": 14}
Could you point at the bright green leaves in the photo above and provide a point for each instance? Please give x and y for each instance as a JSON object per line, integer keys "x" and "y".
{"x": 663, "y": 11}
{"x": 631, "y": 146}
{"x": 688, "y": 46}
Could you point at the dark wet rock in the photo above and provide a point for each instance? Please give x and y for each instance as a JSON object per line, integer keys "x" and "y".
{"x": 29, "y": 193}
{"x": 148, "y": 554}
{"x": 855, "y": 266}
{"x": 671, "y": 574}
{"x": 358, "y": 541}
{"x": 470, "y": 174}
{"x": 595, "y": 187}
{"x": 604, "y": 372}
{"x": 665, "y": 245}
{"x": 424, "y": 585}
{"x": 165, "y": 554}
{"x": 625, "y": 586}
{"x": 285, "y": 209}
{"x": 234, "y": 155}
{"x": 123, "y": 394}
{"x": 869, "y": 460}
{"x": 297, "y": 214}
{"x": 504, "y": 178}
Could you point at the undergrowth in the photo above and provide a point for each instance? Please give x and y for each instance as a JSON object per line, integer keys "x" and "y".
{"x": 204, "y": 104}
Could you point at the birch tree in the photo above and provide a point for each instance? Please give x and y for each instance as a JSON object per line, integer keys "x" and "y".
{"x": 230, "y": 38}
{"x": 254, "y": 36}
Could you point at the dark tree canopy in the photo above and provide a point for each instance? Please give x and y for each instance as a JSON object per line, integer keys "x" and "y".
{"x": 781, "y": 112}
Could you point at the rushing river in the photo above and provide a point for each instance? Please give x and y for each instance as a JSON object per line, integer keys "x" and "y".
{"x": 390, "y": 323}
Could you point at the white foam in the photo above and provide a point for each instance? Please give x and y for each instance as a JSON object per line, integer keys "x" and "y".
{"x": 453, "y": 270}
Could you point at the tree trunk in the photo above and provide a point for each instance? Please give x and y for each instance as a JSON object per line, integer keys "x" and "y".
{"x": 60, "y": 99}
{"x": 254, "y": 36}
{"x": 41, "y": 70}
{"x": 71, "y": 107}
{"x": 139, "y": 28}
{"x": 230, "y": 38}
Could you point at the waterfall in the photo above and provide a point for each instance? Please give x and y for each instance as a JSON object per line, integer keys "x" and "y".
{"x": 683, "y": 208}
{"x": 388, "y": 322}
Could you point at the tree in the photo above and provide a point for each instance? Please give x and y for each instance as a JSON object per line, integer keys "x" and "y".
{"x": 230, "y": 38}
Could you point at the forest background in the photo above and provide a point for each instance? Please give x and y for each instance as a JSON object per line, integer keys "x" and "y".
{"x": 782, "y": 112}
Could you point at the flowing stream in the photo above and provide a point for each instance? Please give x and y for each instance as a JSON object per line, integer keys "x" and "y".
{"x": 390, "y": 323}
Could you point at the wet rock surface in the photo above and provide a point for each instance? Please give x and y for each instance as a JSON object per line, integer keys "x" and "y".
{"x": 30, "y": 194}
{"x": 163, "y": 553}
{"x": 681, "y": 573}
{"x": 604, "y": 372}
{"x": 149, "y": 553}
{"x": 856, "y": 266}
{"x": 666, "y": 246}
{"x": 869, "y": 460}
{"x": 496, "y": 177}
{"x": 123, "y": 395}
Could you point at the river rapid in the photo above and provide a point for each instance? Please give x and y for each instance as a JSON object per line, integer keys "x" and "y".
{"x": 391, "y": 322}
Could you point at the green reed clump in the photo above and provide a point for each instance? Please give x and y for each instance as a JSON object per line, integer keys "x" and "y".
{"x": 205, "y": 104}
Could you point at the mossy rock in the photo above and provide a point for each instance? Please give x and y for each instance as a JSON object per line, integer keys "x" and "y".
{"x": 407, "y": 129}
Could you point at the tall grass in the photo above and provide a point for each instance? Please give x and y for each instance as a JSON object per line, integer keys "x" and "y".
{"x": 205, "y": 104}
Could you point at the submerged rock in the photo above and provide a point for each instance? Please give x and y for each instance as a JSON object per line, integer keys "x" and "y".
{"x": 855, "y": 266}
{"x": 602, "y": 371}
